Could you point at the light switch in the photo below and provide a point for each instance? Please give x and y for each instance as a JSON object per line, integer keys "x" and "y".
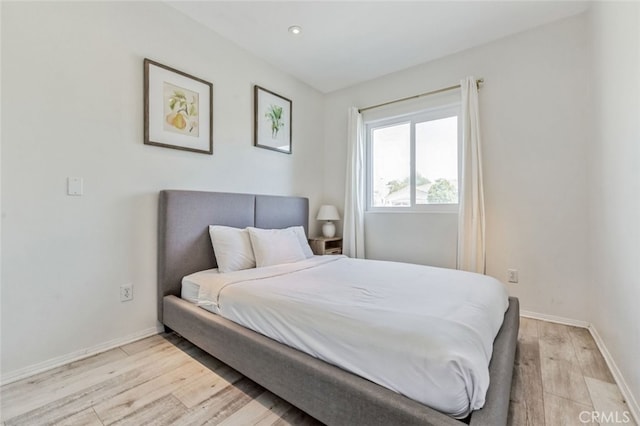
{"x": 74, "y": 186}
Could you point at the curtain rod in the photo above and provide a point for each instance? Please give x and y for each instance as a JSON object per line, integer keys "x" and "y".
{"x": 433, "y": 92}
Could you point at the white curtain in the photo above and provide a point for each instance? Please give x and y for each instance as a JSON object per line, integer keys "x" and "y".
{"x": 471, "y": 226}
{"x": 353, "y": 238}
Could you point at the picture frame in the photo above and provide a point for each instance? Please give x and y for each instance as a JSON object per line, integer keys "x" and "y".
{"x": 178, "y": 109}
{"x": 272, "y": 120}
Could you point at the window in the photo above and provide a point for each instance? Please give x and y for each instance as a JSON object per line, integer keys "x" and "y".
{"x": 413, "y": 161}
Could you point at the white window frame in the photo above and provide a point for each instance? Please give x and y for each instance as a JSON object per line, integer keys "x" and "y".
{"x": 430, "y": 114}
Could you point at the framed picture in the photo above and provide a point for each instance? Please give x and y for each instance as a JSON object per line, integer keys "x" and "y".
{"x": 272, "y": 120}
{"x": 178, "y": 109}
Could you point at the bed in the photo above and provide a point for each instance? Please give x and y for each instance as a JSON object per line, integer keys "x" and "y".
{"x": 328, "y": 393}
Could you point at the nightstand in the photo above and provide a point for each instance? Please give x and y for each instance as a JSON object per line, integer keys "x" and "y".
{"x": 323, "y": 245}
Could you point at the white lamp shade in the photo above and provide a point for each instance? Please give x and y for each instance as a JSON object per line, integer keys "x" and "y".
{"x": 328, "y": 212}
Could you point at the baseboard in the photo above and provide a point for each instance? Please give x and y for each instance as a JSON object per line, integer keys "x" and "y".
{"x": 77, "y": 355}
{"x": 553, "y": 318}
{"x": 632, "y": 403}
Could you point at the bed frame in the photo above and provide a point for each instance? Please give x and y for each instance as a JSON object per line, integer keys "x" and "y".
{"x": 328, "y": 393}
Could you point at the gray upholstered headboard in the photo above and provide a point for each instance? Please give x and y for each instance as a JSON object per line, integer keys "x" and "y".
{"x": 184, "y": 217}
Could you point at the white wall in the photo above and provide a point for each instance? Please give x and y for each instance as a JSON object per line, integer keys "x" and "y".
{"x": 72, "y": 105}
{"x": 615, "y": 181}
{"x": 535, "y": 113}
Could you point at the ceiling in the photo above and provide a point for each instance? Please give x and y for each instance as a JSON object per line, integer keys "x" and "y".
{"x": 347, "y": 42}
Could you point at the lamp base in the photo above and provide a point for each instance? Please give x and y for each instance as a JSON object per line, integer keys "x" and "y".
{"x": 329, "y": 229}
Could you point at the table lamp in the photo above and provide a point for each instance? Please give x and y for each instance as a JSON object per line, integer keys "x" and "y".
{"x": 328, "y": 213}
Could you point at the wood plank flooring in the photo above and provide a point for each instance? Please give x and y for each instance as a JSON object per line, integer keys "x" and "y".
{"x": 560, "y": 378}
{"x": 164, "y": 380}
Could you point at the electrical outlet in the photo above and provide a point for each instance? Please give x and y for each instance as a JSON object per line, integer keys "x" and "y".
{"x": 126, "y": 292}
{"x": 512, "y": 275}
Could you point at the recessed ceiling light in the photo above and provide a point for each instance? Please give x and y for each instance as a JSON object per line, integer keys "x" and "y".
{"x": 295, "y": 29}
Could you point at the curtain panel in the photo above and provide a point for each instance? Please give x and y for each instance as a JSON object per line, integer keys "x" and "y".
{"x": 471, "y": 218}
{"x": 354, "y": 203}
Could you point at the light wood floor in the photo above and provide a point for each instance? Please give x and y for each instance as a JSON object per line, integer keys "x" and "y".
{"x": 165, "y": 380}
{"x": 559, "y": 374}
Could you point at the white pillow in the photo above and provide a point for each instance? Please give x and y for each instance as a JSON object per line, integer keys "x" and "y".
{"x": 304, "y": 242}
{"x": 232, "y": 247}
{"x": 275, "y": 246}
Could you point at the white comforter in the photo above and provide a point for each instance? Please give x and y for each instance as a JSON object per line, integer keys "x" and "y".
{"x": 424, "y": 332}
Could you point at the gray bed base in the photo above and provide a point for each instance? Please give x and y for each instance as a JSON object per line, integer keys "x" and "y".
{"x": 326, "y": 392}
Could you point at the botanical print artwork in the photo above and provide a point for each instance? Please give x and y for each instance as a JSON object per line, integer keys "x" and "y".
{"x": 180, "y": 110}
{"x": 272, "y": 120}
{"x": 274, "y": 116}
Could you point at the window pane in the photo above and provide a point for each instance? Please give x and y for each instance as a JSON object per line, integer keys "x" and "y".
{"x": 391, "y": 155}
{"x": 437, "y": 161}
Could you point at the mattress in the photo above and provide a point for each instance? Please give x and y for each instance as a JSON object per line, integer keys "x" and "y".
{"x": 424, "y": 332}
